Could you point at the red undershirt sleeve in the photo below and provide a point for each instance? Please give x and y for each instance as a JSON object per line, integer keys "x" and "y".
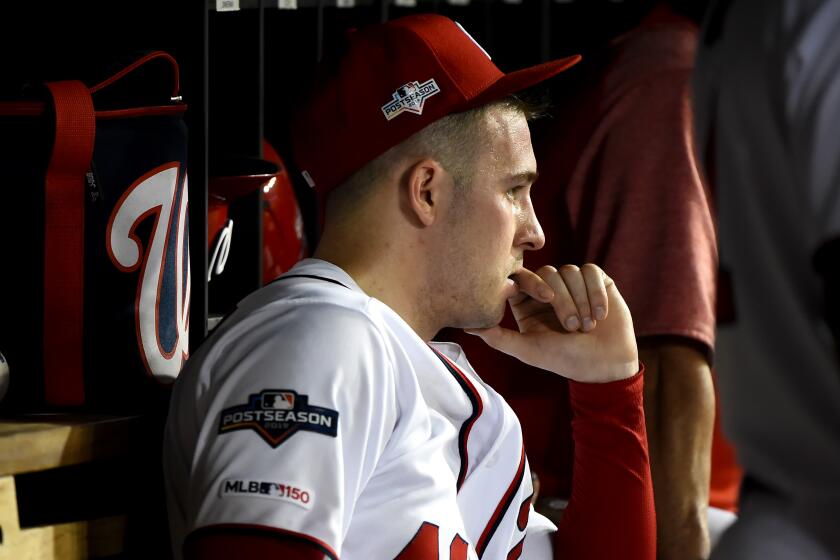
{"x": 219, "y": 543}
{"x": 611, "y": 512}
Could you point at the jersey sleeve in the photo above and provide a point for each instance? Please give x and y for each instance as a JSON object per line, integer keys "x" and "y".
{"x": 301, "y": 410}
{"x": 216, "y": 543}
{"x": 611, "y": 511}
{"x": 645, "y": 214}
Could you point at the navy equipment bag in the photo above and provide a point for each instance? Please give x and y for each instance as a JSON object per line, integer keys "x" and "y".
{"x": 95, "y": 253}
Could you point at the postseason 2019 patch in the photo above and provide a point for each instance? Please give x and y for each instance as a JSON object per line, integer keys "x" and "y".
{"x": 276, "y": 414}
{"x": 410, "y": 98}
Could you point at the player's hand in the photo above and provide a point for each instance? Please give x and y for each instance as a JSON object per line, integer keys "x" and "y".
{"x": 572, "y": 322}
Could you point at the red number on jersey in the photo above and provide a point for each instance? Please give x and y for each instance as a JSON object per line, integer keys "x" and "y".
{"x": 424, "y": 545}
{"x": 458, "y": 549}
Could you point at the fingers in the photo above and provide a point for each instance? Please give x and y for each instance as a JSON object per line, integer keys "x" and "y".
{"x": 580, "y": 295}
{"x": 563, "y": 302}
{"x": 596, "y": 290}
{"x": 531, "y": 284}
{"x": 573, "y": 278}
{"x": 502, "y": 339}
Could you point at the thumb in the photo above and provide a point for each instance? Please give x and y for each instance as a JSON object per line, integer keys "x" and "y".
{"x": 505, "y": 340}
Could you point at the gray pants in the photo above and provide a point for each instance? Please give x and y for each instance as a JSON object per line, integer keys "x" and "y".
{"x": 770, "y": 527}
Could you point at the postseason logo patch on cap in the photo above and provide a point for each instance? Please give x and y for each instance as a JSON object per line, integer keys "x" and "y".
{"x": 411, "y": 97}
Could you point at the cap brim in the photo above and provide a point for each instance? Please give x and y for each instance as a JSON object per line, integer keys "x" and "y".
{"x": 522, "y": 80}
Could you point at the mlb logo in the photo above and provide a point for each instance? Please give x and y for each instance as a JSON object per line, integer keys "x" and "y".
{"x": 406, "y": 95}
{"x": 267, "y": 487}
{"x": 281, "y": 400}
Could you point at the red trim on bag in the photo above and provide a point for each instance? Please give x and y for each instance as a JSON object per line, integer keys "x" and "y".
{"x": 37, "y": 109}
{"x": 137, "y": 64}
{"x": 64, "y": 243}
{"x": 154, "y": 111}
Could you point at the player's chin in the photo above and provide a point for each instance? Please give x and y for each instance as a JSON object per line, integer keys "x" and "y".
{"x": 489, "y": 316}
{"x": 493, "y": 316}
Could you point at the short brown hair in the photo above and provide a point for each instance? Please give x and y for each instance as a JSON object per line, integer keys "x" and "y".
{"x": 454, "y": 141}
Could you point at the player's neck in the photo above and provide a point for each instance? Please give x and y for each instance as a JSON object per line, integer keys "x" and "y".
{"x": 387, "y": 269}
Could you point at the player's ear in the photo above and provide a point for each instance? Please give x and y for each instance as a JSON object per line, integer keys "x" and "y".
{"x": 425, "y": 184}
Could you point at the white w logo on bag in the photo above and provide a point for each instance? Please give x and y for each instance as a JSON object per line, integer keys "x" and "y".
{"x": 163, "y": 302}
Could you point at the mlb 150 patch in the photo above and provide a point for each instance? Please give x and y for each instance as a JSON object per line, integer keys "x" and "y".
{"x": 276, "y": 414}
{"x": 270, "y": 489}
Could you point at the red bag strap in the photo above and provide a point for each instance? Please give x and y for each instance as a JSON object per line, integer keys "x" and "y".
{"x": 36, "y": 108}
{"x": 64, "y": 242}
{"x": 176, "y": 85}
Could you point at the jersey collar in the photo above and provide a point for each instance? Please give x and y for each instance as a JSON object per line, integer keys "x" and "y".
{"x": 324, "y": 269}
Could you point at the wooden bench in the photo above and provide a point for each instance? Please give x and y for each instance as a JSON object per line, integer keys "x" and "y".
{"x": 36, "y": 449}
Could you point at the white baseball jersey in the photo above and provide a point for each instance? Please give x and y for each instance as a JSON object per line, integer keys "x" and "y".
{"x": 317, "y": 412}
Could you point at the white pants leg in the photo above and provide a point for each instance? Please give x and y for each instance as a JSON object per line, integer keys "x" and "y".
{"x": 719, "y": 521}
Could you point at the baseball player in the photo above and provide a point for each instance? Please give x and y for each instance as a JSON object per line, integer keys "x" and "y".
{"x": 318, "y": 421}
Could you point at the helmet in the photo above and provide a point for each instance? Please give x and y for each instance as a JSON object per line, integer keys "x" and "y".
{"x": 284, "y": 242}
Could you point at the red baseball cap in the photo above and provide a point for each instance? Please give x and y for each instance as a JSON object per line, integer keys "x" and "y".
{"x": 393, "y": 80}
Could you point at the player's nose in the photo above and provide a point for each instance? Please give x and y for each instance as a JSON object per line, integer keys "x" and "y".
{"x": 531, "y": 232}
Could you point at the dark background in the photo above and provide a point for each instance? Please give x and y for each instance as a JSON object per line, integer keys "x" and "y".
{"x": 242, "y": 70}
